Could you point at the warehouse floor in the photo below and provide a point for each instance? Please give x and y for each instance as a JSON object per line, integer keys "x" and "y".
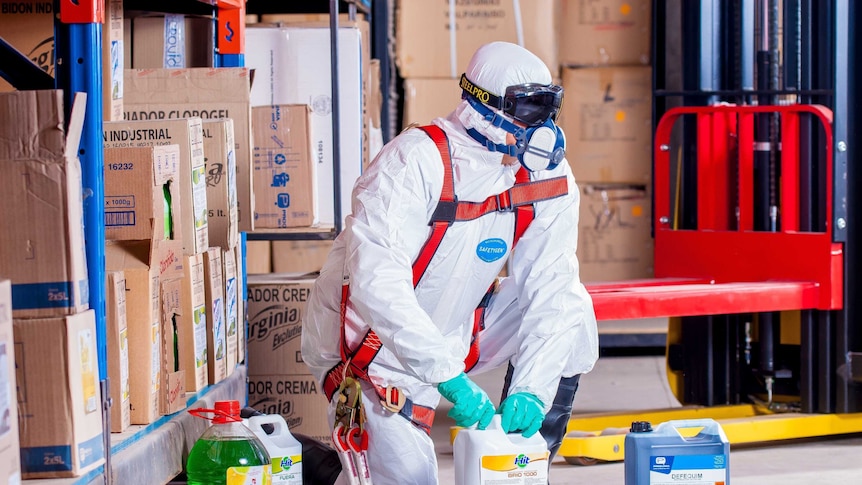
{"x": 619, "y": 383}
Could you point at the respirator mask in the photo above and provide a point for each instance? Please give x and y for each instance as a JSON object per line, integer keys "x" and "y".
{"x": 540, "y": 144}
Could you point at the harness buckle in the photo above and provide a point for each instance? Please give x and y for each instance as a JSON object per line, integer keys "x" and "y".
{"x": 504, "y": 202}
{"x": 393, "y": 399}
{"x": 446, "y": 211}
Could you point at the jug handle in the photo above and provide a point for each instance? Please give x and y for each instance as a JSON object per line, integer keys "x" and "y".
{"x": 276, "y": 420}
{"x": 710, "y": 426}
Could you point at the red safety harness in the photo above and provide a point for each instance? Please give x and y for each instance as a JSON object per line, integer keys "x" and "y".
{"x": 518, "y": 199}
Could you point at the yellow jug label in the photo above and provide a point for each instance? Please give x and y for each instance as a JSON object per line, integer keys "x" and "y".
{"x": 249, "y": 475}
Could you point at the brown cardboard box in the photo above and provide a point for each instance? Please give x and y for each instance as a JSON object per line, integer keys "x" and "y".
{"x": 112, "y": 61}
{"x": 220, "y": 158}
{"x": 292, "y": 67}
{"x": 173, "y": 378}
{"x": 231, "y": 293}
{"x": 192, "y": 324}
{"x": 42, "y": 244}
{"x": 143, "y": 324}
{"x": 258, "y": 258}
{"x": 299, "y": 256}
{"x": 188, "y": 134}
{"x": 276, "y": 305}
{"x": 284, "y": 190}
{"x": 207, "y": 93}
{"x": 28, "y": 26}
{"x": 215, "y": 305}
{"x": 426, "y": 99}
{"x": 142, "y": 195}
{"x": 58, "y": 396}
{"x": 607, "y": 118}
{"x": 614, "y": 241}
{"x": 297, "y": 397}
{"x": 241, "y": 312}
{"x": 605, "y": 32}
{"x": 172, "y": 41}
{"x": 422, "y": 46}
{"x": 279, "y": 382}
{"x": 10, "y": 458}
{"x": 118, "y": 350}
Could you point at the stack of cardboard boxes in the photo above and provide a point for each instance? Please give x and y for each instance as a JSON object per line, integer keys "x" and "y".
{"x": 607, "y": 118}
{"x": 174, "y": 170}
{"x": 58, "y": 415}
{"x": 279, "y": 382}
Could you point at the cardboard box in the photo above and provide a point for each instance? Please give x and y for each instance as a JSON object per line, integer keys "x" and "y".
{"x": 215, "y": 304}
{"x": 207, "y": 93}
{"x": 220, "y": 158}
{"x": 292, "y": 67}
{"x": 143, "y": 325}
{"x": 192, "y": 324}
{"x": 10, "y": 458}
{"x": 426, "y": 99}
{"x": 231, "y": 293}
{"x": 112, "y": 61}
{"x": 127, "y": 43}
{"x": 58, "y": 396}
{"x": 188, "y": 134}
{"x": 298, "y": 398}
{"x": 276, "y": 305}
{"x": 614, "y": 241}
{"x": 41, "y": 185}
{"x": 28, "y": 26}
{"x": 299, "y": 256}
{"x": 142, "y": 197}
{"x": 241, "y": 312}
{"x": 117, "y": 335}
{"x": 423, "y": 41}
{"x": 607, "y": 118}
{"x": 284, "y": 189}
{"x": 172, "y": 41}
{"x": 258, "y": 257}
{"x": 173, "y": 378}
{"x": 605, "y": 32}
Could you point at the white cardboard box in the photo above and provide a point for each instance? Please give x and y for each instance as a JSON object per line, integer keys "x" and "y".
{"x": 293, "y": 67}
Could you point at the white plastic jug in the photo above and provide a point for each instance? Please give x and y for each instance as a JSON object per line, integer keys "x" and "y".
{"x": 493, "y": 456}
{"x": 285, "y": 452}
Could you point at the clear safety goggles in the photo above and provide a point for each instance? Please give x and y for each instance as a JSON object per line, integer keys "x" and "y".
{"x": 531, "y": 104}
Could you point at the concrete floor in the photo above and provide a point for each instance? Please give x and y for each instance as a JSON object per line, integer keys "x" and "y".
{"x": 632, "y": 383}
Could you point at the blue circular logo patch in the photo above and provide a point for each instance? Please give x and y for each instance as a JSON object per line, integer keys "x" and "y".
{"x": 491, "y": 249}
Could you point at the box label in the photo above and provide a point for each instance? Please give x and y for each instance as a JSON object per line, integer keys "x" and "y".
{"x": 200, "y": 336}
{"x": 199, "y": 189}
{"x": 157, "y": 361}
{"x": 218, "y": 328}
{"x": 175, "y": 41}
{"x": 124, "y": 364}
{"x": 59, "y": 458}
{"x": 87, "y": 352}
{"x": 60, "y": 294}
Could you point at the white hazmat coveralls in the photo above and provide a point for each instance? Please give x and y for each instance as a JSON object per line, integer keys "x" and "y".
{"x": 541, "y": 317}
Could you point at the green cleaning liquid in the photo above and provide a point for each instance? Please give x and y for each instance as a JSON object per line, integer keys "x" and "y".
{"x": 227, "y": 453}
{"x": 210, "y": 460}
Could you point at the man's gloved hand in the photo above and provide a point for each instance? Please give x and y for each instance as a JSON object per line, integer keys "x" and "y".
{"x": 471, "y": 403}
{"x": 522, "y": 412}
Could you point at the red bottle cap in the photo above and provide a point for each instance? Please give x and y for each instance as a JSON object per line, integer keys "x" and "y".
{"x": 226, "y": 412}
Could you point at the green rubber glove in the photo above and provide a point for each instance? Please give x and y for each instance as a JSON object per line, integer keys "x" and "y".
{"x": 522, "y": 412}
{"x": 471, "y": 403}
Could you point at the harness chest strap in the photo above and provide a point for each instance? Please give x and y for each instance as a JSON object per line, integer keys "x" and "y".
{"x": 519, "y": 199}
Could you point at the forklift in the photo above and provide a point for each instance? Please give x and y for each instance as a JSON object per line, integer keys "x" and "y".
{"x": 755, "y": 244}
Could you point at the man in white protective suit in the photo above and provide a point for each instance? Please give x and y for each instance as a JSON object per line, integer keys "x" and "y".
{"x": 409, "y": 302}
